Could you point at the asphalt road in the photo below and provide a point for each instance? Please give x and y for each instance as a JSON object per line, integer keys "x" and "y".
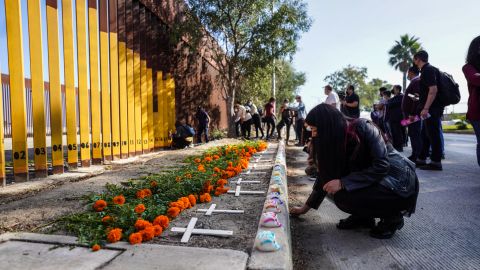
{"x": 444, "y": 233}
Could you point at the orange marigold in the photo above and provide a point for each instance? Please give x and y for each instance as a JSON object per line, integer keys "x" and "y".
{"x": 178, "y": 178}
{"x": 120, "y": 200}
{"x": 197, "y": 160}
{"x": 178, "y": 204}
{"x": 216, "y": 169}
{"x": 222, "y": 182}
{"x": 188, "y": 175}
{"x": 208, "y": 159}
{"x": 215, "y": 157}
{"x": 96, "y": 247}
{"x": 173, "y": 211}
{"x": 148, "y": 233}
{"x": 144, "y": 193}
{"x": 106, "y": 219}
{"x": 153, "y": 184}
{"x": 208, "y": 198}
{"x": 114, "y": 235}
{"x": 139, "y": 208}
{"x": 163, "y": 221}
{"x": 158, "y": 230}
{"x": 192, "y": 199}
{"x": 201, "y": 168}
{"x": 141, "y": 224}
{"x": 135, "y": 238}
{"x": 99, "y": 205}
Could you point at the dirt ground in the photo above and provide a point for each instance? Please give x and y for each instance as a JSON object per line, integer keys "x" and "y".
{"x": 36, "y": 209}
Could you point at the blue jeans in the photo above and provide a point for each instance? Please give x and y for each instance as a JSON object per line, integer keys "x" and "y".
{"x": 415, "y": 134}
{"x": 476, "y": 127}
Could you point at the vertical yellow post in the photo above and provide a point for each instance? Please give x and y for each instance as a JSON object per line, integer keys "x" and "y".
{"x": 160, "y": 98}
{"x": 150, "y": 109}
{"x": 171, "y": 99}
{"x": 17, "y": 90}
{"x": 166, "y": 99}
{"x": 94, "y": 82}
{"x": 130, "y": 77}
{"x": 114, "y": 80}
{"x": 55, "y": 90}
{"x": 83, "y": 98}
{"x": 105, "y": 83}
{"x": 3, "y": 181}
{"x": 143, "y": 78}
{"x": 70, "y": 96}
{"x": 137, "y": 80}
{"x": 38, "y": 91}
{"x": 122, "y": 76}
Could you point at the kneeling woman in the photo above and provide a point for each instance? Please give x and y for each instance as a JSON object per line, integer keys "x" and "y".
{"x": 361, "y": 170}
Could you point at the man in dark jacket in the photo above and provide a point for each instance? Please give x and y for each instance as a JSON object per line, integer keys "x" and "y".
{"x": 203, "y": 119}
{"x": 410, "y": 110}
{"x": 395, "y": 116}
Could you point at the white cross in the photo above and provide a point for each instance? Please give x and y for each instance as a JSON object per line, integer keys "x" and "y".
{"x": 238, "y": 191}
{"x": 240, "y": 180}
{"x": 250, "y": 172}
{"x": 187, "y": 232}
{"x": 211, "y": 209}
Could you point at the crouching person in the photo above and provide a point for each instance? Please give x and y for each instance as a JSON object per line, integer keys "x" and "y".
{"x": 362, "y": 173}
{"x": 183, "y": 136}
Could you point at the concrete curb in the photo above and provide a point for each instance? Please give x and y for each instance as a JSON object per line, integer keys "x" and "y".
{"x": 281, "y": 259}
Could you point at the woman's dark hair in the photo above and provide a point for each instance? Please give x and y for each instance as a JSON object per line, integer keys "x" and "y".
{"x": 473, "y": 54}
{"x": 330, "y": 142}
{"x": 421, "y": 55}
{"x": 414, "y": 70}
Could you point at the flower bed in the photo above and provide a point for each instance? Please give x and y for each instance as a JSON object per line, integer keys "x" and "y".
{"x": 141, "y": 209}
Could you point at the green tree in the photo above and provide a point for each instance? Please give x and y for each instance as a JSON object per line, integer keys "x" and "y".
{"x": 249, "y": 35}
{"x": 401, "y": 54}
{"x": 370, "y": 94}
{"x": 257, "y": 85}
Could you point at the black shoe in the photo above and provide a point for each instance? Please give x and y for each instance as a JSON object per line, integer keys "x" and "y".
{"x": 386, "y": 227}
{"x": 420, "y": 162}
{"x": 355, "y": 222}
{"x": 432, "y": 167}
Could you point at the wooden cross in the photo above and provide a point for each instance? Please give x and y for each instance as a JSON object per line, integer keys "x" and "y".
{"x": 187, "y": 232}
{"x": 211, "y": 209}
{"x": 240, "y": 181}
{"x": 238, "y": 191}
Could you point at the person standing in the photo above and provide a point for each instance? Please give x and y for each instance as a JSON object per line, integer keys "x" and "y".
{"x": 255, "y": 118}
{"x": 395, "y": 116}
{"x": 351, "y": 104}
{"x": 286, "y": 120}
{"x": 471, "y": 70}
{"x": 239, "y": 118}
{"x": 381, "y": 106}
{"x": 332, "y": 97}
{"x": 410, "y": 110}
{"x": 432, "y": 106}
{"x": 247, "y": 123}
{"x": 203, "y": 120}
{"x": 270, "y": 117}
{"x": 301, "y": 111}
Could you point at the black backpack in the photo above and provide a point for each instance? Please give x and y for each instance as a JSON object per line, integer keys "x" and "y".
{"x": 448, "y": 89}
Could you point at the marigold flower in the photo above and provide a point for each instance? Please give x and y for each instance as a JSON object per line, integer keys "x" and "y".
{"x": 222, "y": 182}
{"x": 215, "y": 157}
{"x": 197, "y": 160}
{"x": 139, "y": 208}
{"x": 144, "y": 193}
{"x": 192, "y": 199}
{"x": 201, "y": 168}
{"x": 216, "y": 169}
{"x": 163, "y": 221}
{"x": 148, "y": 233}
{"x": 157, "y": 229}
{"x": 106, "y": 219}
{"x": 208, "y": 159}
{"x": 114, "y": 235}
{"x": 178, "y": 204}
{"x": 188, "y": 175}
{"x": 178, "y": 178}
{"x": 153, "y": 184}
{"x": 208, "y": 198}
{"x": 173, "y": 212}
{"x": 120, "y": 200}
{"x": 96, "y": 247}
{"x": 135, "y": 238}
{"x": 99, "y": 205}
{"x": 141, "y": 224}
{"x": 186, "y": 202}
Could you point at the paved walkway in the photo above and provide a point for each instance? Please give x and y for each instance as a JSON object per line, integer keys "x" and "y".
{"x": 444, "y": 233}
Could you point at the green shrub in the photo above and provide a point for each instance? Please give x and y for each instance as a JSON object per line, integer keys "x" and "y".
{"x": 218, "y": 134}
{"x": 461, "y": 125}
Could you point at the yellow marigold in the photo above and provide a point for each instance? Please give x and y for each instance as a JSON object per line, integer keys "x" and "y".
{"x": 120, "y": 200}
{"x": 135, "y": 238}
{"x": 114, "y": 235}
{"x": 139, "y": 208}
{"x": 163, "y": 221}
{"x": 158, "y": 230}
{"x": 141, "y": 224}
{"x": 96, "y": 247}
{"x": 173, "y": 211}
{"x": 99, "y": 205}
{"x": 192, "y": 199}
{"x": 106, "y": 219}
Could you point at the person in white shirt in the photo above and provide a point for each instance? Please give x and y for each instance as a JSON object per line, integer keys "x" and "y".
{"x": 239, "y": 115}
{"x": 255, "y": 118}
{"x": 332, "y": 97}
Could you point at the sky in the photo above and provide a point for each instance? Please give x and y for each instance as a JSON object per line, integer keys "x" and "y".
{"x": 362, "y": 32}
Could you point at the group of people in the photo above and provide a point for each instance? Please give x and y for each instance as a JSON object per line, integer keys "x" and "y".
{"x": 266, "y": 118}
{"x": 358, "y": 162}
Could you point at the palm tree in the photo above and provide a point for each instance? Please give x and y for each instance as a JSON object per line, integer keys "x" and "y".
{"x": 401, "y": 55}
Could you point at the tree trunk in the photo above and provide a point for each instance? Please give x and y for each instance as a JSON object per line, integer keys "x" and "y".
{"x": 231, "y": 115}
{"x": 404, "y": 81}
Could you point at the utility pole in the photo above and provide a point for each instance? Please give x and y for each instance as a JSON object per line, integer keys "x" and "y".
{"x": 273, "y": 64}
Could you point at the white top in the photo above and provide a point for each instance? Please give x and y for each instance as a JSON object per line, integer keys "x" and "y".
{"x": 242, "y": 114}
{"x": 332, "y": 98}
{"x": 253, "y": 109}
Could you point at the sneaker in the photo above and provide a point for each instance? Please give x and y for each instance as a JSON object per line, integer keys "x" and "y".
{"x": 312, "y": 177}
{"x": 355, "y": 222}
{"x": 386, "y": 227}
{"x": 432, "y": 167}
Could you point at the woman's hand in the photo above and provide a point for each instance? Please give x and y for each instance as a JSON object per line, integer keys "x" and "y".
{"x": 297, "y": 211}
{"x": 333, "y": 186}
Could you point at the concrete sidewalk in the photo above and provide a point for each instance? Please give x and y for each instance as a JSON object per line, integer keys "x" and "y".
{"x": 444, "y": 233}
